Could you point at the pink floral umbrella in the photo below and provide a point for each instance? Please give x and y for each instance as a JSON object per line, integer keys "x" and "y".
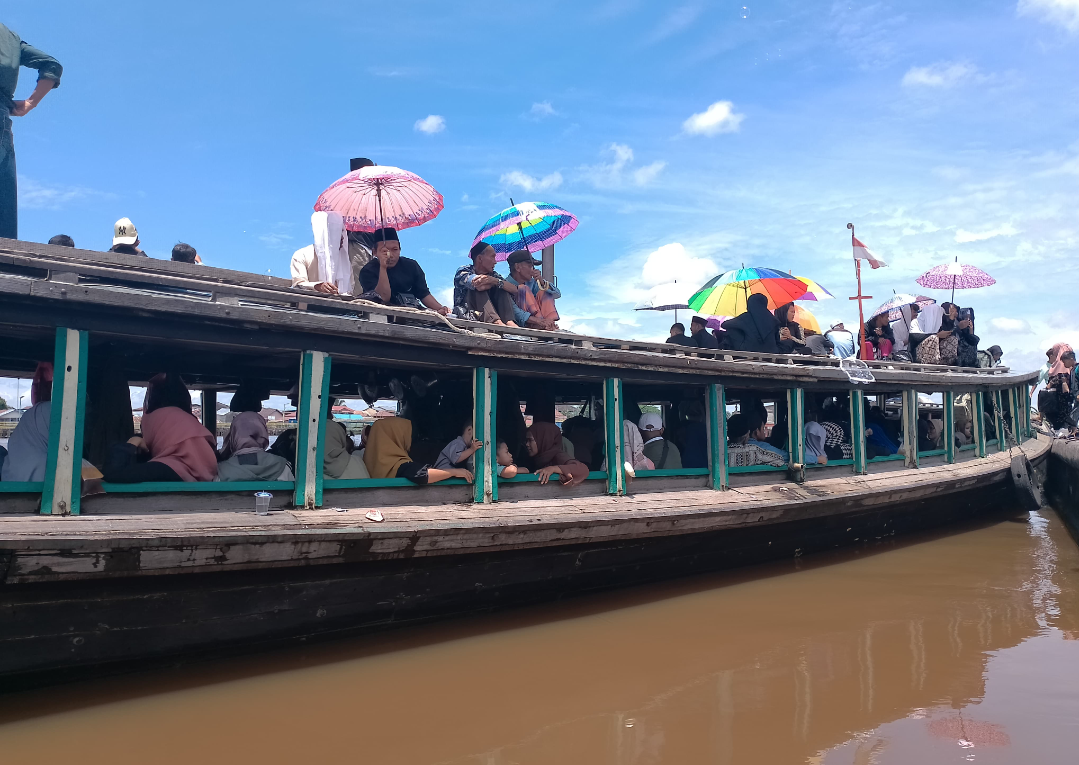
{"x": 379, "y": 196}
{"x": 955, "y": 276}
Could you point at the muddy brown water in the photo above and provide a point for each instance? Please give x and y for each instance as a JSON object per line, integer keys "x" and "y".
{"x": 956, "y": 648}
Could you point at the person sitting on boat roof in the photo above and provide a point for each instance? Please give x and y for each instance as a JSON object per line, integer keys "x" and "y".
{"x": 535, "y": 296}
{"x": 741, "y": 453}
{"x": 755, "y": 330}
{"x": 878, "y": 338}
{"x": 543, "y": 443}
{"x": 387, "y": 455}
{"x": 792, "y": 338}
{"x": 28, "y": 445}
{"x": 842, "y": 340}
{"x": 699, "y": 334}
{"x": 174, "y": 446}
{"x": 62, "y": 240}
{"x": 325, "y": 266}
{"x": 990, "y": 357}
{"x": 679, "y": 336}
{"x": 481, "y": 294}
{"x": 901, "y": 329}
{"x": 935, "y": 335}
{"x": 125, "y": 238}
{"x": 758, "y": 432}
{"x": 391, "y": 278}
{"x": 185, "y": 253}
{"x": 664, "y": 454}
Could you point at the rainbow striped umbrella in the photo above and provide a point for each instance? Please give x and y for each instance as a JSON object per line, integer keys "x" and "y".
{"x": 814, "y": 291}
{"x": 528, "y": 226}
{"x": 726, "y": 294}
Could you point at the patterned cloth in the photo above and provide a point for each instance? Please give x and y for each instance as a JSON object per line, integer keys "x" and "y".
{"x": 834, "y": 436}
{"x": 746, "y": 455}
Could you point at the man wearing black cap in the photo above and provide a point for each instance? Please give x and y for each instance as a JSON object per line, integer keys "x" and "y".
{"x": 393, "y": 279}
{"x": 535, "y": 297}
{"x": 481, "y": 294}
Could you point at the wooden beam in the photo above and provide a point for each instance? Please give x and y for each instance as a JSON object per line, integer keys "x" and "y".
{"x": 1015, "y": 408}
{"x": 796, "y": 424}
{"x": 613, "y": 416}
{"x": 209, "y": 410}
{"x": 62, "y": 489}
{"x": 485, "y": 406}
{"x": 998, "y": 419}
{"x": 716, "y": 400}
{"x": 857, "y": 432}
{"x": 311, "y": 420}
{"x": 910, "y": 427}
{"x": 949, "y": 426}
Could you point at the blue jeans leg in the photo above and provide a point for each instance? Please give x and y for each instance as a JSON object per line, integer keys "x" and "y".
{"x": 9, "y": 190}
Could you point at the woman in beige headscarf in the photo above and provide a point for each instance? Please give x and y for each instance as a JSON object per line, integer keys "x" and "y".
{"x": 386, "y": 455}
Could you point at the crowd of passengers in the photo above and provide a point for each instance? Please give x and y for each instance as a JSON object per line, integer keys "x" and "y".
{"x": 173, "y": 445}
{"x": 935, "y": 334}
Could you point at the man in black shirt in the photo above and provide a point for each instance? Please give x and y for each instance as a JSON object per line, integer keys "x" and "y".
{"x": 678, "y": 335}
{"x": 393, "y": 279}
{"x": 701, "y": 337}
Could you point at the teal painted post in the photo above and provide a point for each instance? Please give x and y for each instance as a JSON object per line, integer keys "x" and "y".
{"x": 62, "y": 488}
{"x": 485, "y": 405}
{"x": 949, "y": 426}
{"x": 796, "y": 424}
{"x": 311, "y": 423}
{"x": 979, "y": 422}
{"x": 998, "y": 418}
{"x": 612, "y": 412}
{"x": 716, "y": 400}
{"x": 1017, "y": 414}
{"x": 857, "y": 431}
{"x": 910, "y": 427}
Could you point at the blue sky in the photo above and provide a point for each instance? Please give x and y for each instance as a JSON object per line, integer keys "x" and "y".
{"x": 723, "y": 133}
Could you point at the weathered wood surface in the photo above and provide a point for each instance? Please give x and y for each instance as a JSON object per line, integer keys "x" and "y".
{"x": 481, "y": 348}
{"x": 133, "y": 543}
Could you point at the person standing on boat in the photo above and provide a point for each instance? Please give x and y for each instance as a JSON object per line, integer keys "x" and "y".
{"x": 393, "y": 279}
{"x": 359, "y": 242}
{"x": 15, "y": 53}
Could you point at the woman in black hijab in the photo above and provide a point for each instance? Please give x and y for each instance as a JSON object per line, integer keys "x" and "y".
{"x": 794, "y": 339}
{"x": 755, "y": 330}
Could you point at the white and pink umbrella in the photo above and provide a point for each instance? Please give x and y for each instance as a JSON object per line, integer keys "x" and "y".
{"x": 381, "y": 196}
{"x": 955, "y": 276}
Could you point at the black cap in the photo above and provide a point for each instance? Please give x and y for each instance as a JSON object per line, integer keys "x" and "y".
{"x": 522, "y": 256}
{"x": 384, "y": 234}
{"x": 357, "y": 162}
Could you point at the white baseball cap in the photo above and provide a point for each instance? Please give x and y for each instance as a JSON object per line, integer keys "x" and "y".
{"x": 650, "y": 421}
{"x": 124, "y": 232}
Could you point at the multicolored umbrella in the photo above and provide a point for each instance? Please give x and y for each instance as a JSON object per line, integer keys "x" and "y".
{"x": 528, "y": 226}
{"x": 814, "y": 291}
{"x": 379, "y": 196}
{"x": 955, "y": 276}
{"x": 801, "y": 315}
{"x": 726, "y": 294}
{"x": 896, "y": 303}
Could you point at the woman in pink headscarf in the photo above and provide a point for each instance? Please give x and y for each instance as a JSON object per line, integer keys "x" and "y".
{"x": 174, "y": 445}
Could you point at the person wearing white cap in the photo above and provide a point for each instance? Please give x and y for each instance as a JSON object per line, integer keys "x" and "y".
{"x": 125, "y": 238}
{"x": 664, "y": 454}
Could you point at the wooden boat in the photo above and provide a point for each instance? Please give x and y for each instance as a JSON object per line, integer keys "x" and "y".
{"x": 147, "y": 571}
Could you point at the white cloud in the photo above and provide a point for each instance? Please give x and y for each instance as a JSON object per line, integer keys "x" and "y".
{"x": 37, "y": 196}
{"x": 528, "y": 183}
{"x": 277, "y": 241}
{"x": 542, "y": 109}
{"x": 431, "y": 124}
{"x": 613, "y": 174}
{"x": 464, "y": 197}
{"x": 677, "y": 21}
{"x": 1007, "y": 326}
{"x": 720, "y": 117}
{"x": 963, "y": 235}
{"x": 945, "y": 74}
{"x": 671, "y": 263}
{"x": 1062, "y": 12}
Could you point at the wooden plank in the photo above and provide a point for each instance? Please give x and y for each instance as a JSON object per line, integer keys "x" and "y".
{"x": 615, "y": 436}
{"x": 716, "y": 406}
{"x": 796, "y": 424}
{"x": 857, "y": 431}
{"x": 61, "y": 492}
{"x": 910, "y": 426}
{"x": 314, "y": 387}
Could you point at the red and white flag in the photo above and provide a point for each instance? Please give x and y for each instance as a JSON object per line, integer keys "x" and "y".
{"x": 861, "y": 252}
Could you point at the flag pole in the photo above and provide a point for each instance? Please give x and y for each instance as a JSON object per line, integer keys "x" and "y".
{"x": 861, "y": 316}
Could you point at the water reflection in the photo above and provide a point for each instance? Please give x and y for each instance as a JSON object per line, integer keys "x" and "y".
{"x": 941, "y": 651}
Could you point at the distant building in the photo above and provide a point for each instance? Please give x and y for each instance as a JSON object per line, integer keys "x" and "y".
{"x": 273, "y": 415}
{"x": 11, "y": 415}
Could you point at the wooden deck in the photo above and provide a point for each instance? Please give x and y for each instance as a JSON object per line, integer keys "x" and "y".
{"x": 192, "y": 539}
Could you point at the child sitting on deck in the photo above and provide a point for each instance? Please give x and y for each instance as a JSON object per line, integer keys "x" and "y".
{"x": 459, "y": 451}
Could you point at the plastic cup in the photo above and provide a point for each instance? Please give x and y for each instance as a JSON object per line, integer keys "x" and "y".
{"x": 262, "y": 502}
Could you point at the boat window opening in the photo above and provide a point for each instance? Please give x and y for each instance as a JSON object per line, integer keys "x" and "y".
{"x": 681, "y": 448}
{"x": 884, "y": 432}
{"x": 761, "y": 442}
{"x": 931, "y": 430}
{"x": 25, "y": 474}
